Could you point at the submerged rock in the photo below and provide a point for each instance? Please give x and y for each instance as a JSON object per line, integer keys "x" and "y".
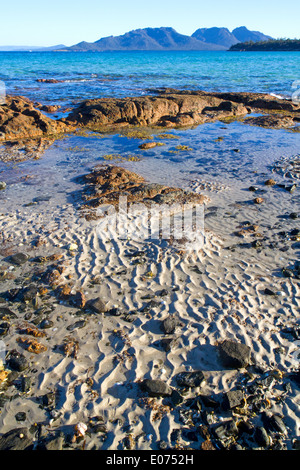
{"x": 148, "y": 145}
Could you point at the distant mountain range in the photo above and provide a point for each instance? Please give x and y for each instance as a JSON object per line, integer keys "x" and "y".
{"x": 167, "y": 39}
{"x": 162, "y": 39}
{"x": 223, "y": 37}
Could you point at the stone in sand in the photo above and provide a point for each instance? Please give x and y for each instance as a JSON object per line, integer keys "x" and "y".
{"x": 270, "y": 182}
{"x": 6, "y": 312}
{"x": 16, "y": 439}
{"x": 97, "y": 305}
{"x": 17, "y": 361}
{"x": 273, "y": 423}
{"x": 258, "y": 200}
{"x": 156, "y": 388}
{"x": 190, "y": 379}
{"x": 176, "y": 398}
{"x": 19, "y": 258}
{"x": 168, "y": 325}
{"x": 28, "y": 294}
{"x": 2, "y": 185}
{"x": 233, "y": 398}
{"x": 261, "y": 437}
{"x": 226, "y": 429}
{"x": 234, "y": 354}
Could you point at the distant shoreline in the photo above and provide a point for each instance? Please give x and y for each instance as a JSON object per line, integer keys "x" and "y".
{"x": 274, "y": 45}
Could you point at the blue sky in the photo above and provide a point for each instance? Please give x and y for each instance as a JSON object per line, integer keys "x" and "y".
{"x": 38, "y": 23}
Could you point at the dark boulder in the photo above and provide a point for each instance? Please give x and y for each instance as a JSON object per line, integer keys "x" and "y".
{"x": 234, "y": 354}
{"x": 156, "y": 388}
{"x": 190, "y": 379}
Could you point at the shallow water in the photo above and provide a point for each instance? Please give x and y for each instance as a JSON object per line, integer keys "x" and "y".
{"x": 217, "y": 158}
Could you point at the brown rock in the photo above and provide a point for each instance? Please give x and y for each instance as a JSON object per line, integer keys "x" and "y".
{"x": 48, "y": 80}
{"x": 64, "y": 291}
{"x": 270, "y": 182}
{"x": 175, "y": 108}
{"x": 259, "y": 101}
{"x": 106, "y": 183}
{"x": 258, "y": 200}
{"x": 169, "y": 109}
{"x": 19, "y": 119}
{"x": 50, "y": 108}
{"x": 271, "y": 121}
{"x": 3, "y": 375}
{"x": 148, "y": 145}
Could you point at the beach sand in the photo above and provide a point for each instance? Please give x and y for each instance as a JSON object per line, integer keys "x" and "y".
{"x": 215, "y": 293}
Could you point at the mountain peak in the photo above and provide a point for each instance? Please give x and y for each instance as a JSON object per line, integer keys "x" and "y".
{"x": 166, "y": 38}
{"x": 243, "y": 34}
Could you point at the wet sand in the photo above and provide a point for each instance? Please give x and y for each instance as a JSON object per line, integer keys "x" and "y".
{"x": 242, "y": 285}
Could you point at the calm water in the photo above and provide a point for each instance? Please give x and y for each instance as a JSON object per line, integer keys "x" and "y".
{"x": 89, "y": 75}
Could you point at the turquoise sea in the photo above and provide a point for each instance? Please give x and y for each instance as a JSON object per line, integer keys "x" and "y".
{"x": 118, "y": 74}
{"x": 89, "y": 75}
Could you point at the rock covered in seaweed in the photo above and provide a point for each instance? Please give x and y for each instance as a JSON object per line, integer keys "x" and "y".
{"x": 105, "y": 184}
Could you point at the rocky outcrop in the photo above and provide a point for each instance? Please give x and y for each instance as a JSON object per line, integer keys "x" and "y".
{"x": 105, "y": 184}
{"x": 22, "y": 119}
{"x": 262, "y": 101}
{"x": 168, "y": 109}
{"x": 174, "y": 108}
{"x": 271, "y": 121}
{"x": 19, "y": 119}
